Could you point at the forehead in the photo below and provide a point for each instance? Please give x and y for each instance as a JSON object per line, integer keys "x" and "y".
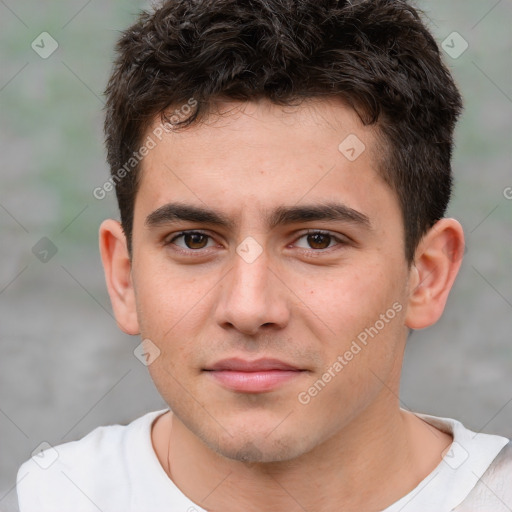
{"x": 255, "y": 156}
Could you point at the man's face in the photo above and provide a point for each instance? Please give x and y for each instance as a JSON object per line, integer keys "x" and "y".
{"x": 272, "y": 282}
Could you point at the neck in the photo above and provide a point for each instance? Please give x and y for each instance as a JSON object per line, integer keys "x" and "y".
{"x": 380, "y": 456}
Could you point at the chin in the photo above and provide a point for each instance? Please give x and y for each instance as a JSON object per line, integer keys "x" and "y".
{"x": 256, "y": 435}
{"x": 259, "y": 447}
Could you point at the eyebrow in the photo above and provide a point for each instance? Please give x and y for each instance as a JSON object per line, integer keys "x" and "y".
{"x": 176, "y": 212}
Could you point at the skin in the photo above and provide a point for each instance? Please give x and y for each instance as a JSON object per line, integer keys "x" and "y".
{"x": 303, "y": 300}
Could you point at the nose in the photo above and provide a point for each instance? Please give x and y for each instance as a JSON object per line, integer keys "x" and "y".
{"x": 252, "y": 297}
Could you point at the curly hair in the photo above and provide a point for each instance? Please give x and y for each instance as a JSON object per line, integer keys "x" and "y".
{"x": 376, "y": 55}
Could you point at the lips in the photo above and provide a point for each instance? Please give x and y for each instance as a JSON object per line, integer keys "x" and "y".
{"x": 262, "y": 375}
{"x": 260, "y": 365}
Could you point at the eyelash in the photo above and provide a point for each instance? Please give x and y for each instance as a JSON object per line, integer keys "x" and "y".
{"x": 193, "y": 252}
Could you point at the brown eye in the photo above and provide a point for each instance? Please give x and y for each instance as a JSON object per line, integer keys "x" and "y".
{"x": 191, "y": 240}
{"x": 195, "y": 240}
{"x": 319, "y": 240}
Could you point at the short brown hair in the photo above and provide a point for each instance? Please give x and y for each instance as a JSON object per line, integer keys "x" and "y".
{"x": 377, "y": 55}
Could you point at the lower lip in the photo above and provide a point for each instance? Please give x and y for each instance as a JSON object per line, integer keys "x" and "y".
{"x": 254, "y": 382}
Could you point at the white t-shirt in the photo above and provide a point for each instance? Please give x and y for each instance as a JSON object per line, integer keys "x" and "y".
{"x": 115, "y": 469}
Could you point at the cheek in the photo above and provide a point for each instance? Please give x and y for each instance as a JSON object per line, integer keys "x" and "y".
{"x": 171, "y": 309}
{"x": 163, "y": 298}
{"x": 364, "y": 347}
{"x": 351, "y": 299}
{"x": 364, "y": 310}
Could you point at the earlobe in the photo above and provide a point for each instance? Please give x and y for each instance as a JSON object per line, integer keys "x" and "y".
{"x": 117, "y": 267}
{"x": 436, "y": 264}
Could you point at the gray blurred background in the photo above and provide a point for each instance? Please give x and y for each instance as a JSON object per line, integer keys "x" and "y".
{"x": 65, "y": 366}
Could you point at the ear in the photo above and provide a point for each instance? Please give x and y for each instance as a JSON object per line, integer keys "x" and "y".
{"x": 436, "y": 263}
{"x": 117, "y": 266}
